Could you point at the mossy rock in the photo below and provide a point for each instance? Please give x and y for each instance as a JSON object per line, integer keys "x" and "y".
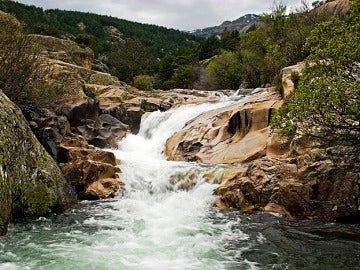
{"x": 31, "y": 183}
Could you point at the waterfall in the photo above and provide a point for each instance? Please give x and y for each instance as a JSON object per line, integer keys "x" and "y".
{"x": 165, "y": 220}
{"x": 169, "y": 227}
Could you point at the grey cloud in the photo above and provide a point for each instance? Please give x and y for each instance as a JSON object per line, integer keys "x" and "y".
{"x": 184, "y": 14}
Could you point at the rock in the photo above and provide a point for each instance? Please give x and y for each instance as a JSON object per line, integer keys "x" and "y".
{"x": 49, "y": 128}
{"x": 132, "y": 118}
{"x": 104, "y": 188}
{"x": 77, "y": 109}
{"x": 90, "y": 196}
{"x": 338, "y": 8}
{"x": 287, "y": 77}
{"x": 83, "y": 164}
{"x": 106, "y": 131}
{"x": 234, "y": 134}
{"x": 322, "y": 184}
{"x": 101, "y": 78}
{"x": 65, "y": 50}
{"x": 31, "y": 184}
{"x": 278, "y": 146}
{"x": 217, "y": 175}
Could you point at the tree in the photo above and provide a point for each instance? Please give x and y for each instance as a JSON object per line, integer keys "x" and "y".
{"x": 224, "y": 71}
{"x": 229, "y": 41}
{"x": 209, "y": 48}
{"x": 20, "y": 64}
{"x": 252, "y": 54}
{"x": 144, "y": 82}
{"x": 129, "y": 59}
{"x": 83, "y": 39}
{"x": 185, "y": 75}
{"x": 326, "y": 104}
{"x": 177, "y": 68}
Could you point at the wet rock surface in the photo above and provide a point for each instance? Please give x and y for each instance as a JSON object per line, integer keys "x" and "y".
{"x": 83, "y": 165}
{"x": 234, "y": 134}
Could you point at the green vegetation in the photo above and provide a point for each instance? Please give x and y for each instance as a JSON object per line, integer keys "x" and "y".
{"x": 250, "y": 59}
{"x": 37, "y": 199}
{"x": 144, "y": 82}
{"x": 326, "y": 104}
{"x": 22, "y": 71}
{"x": 109, "y": 37}
{"x": 19, "y": 63}
{"x": 129, "y": 59}
{"x": 179, "y": 68}
{"x": 224, "y": 70}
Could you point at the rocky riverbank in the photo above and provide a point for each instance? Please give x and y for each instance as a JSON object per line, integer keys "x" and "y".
{"x": 31, "y": 184}
{"x": 320, "y": 184}
{"x": 99, "y": 110}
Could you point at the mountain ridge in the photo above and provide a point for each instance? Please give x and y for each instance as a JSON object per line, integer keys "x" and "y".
{"x": 241, "y": 24}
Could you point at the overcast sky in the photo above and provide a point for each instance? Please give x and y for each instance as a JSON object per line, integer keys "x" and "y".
{"x": 178, "y": 14}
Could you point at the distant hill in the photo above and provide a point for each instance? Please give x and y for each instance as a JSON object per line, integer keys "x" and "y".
{"x": 103, "y": 29}
{"x": 241, "y": 24}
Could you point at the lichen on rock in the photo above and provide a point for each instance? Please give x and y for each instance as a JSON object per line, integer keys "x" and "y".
{"x": 31, "y": 184}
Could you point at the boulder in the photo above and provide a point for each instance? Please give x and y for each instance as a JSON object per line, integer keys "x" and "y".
{"x": 233, "y": 134}
{"x": 31, "y": 184}
{"x": 338, "y": 8}
{"x": 76, "y": 109}
{"x": 49, "y": 128}
{"x": 83, "y": 164}
{"x": 104, "y": 188}
{"x": 102, "y": 78}
{"x": 106, "y": 131}
{"x": 287, "y": 77}
{"x": 321, "y": 184}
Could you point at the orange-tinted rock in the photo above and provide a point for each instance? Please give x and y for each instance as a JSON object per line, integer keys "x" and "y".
{"x": 234, "y": 134}
{"x": 322, "y": 184}
{"x": 106, "y": 188}
{"x": 83, "y": 164}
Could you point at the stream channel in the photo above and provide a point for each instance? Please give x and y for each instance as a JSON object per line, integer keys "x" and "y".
{"x": 159, "y": 225}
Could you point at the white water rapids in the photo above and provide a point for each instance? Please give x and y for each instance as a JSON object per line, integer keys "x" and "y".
{"x": 158, "y": 225}
{"x": 166, "y": 227}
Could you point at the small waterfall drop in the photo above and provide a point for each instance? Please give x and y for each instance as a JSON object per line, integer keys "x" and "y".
{"x": 165, "y": 221}
{"x": 174, "y": 224}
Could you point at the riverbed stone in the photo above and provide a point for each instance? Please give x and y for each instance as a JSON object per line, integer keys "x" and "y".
{"x": 83, "y": 164}
{"x": 105, "y": 188}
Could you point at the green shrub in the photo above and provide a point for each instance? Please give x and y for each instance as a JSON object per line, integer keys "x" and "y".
{"x": 144, "y": 82}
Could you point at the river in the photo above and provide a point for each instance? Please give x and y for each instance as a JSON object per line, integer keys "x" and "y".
{"x": 165, "y": 221}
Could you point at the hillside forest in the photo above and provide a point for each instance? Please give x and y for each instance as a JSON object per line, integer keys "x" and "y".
{"x": 325, "y": 104}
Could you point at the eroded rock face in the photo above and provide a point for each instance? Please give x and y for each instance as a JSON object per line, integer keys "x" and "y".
{"x": 104, "y": 132}
{"x": 322, "y": 184}
{"x": 65, "y": 50}
{"x": 234, "y": 134}
{"x": 77, "y": 109}
{"x": 83, "y": 164}
{"x": 287, "y": 79}
{"x": 31, "y": 184}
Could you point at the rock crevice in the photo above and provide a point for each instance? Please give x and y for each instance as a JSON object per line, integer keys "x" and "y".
{"x": 321, "y": 184}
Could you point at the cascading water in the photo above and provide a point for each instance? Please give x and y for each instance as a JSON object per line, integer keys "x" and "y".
{"x": 165, "y": 221}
